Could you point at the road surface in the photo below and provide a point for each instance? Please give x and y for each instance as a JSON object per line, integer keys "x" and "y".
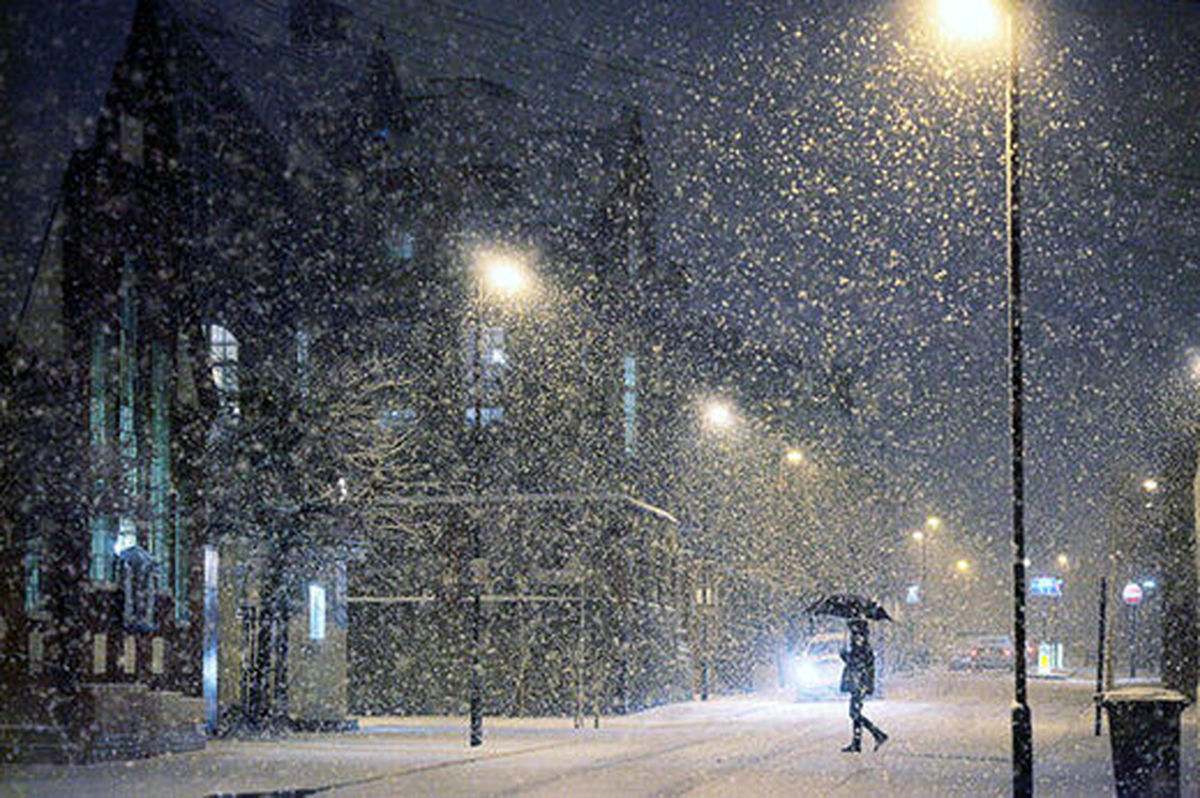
{"x": 949, "y": 736}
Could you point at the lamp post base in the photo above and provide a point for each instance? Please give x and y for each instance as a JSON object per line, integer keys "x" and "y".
{"x": 1022, "y": 750}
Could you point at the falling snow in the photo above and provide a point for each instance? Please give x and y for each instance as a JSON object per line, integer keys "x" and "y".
{"x": 384, "y": 380}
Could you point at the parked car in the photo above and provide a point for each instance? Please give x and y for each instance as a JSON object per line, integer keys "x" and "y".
{"x": 981, "y": 652}
{"x": 817, "y": 668}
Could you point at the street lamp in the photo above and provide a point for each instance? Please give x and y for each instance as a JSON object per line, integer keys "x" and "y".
{"x": 968, "y": 20}
{"x": 501, "y": 273}
{"x": 718, "y": 415}
{"x": 717, "y": 418}
{"x": 971, "y": 20}
{"x": 498, "y": 274}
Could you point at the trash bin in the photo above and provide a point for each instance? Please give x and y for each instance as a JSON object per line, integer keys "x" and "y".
{"x": 1143, "y": 727}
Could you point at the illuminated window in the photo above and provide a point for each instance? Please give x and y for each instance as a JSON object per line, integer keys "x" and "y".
{"x": 401, "y": 244}
{"x": 485, "y": 382}
{"x": 316, "y": 611}
{"x": 396, "y": 417}
{"x": 33, "y": 578}
{"x": 211, "y": 622}
{"x": 629, "y": 404}
{"x": 101, "y": 524}
{"x": 130, "y": 397}
{"x": 162, "y": 521}
{"x": 223, "y": 359}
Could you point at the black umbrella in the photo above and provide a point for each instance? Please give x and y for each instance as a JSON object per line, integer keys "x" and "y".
{"x": 849, "y": 606}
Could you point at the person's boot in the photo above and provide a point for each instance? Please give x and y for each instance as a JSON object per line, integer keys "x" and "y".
{"x": 880, "y": 739}
{"x": 854, "y": 747}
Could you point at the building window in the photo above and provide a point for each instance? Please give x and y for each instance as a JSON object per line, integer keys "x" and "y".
{"x": 629, "y": 404}
{"x": 132, "y": 135}
{"x": 33, "y": 578}
{"x": 486, "y": 378}
{"x": 101, "y": 463}
{"x": 128, "y": 394}
{"x": 223, "y": 360}
{"x": 401, "y": 244}
{"x": 393, "y": 418}
{"x": 162, "y": 519}
{"x": 316, "y": 611}
{"x": 211, "y": 622}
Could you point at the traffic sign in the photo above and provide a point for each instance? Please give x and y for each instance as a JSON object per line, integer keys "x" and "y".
{"x": 1132, "y": 594}
{"x": 1046, "y": 586}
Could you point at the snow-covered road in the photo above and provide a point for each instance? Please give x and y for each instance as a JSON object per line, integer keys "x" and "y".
{"x": 949, "y": 736}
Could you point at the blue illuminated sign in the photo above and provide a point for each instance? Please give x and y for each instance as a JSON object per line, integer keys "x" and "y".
{"x": 1045, "y": 586}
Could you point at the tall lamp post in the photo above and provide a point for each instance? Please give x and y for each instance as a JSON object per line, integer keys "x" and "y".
{"x": 974, "y": 19}
{"x": 717, "y": 417}
{"x": 503, "y": 275}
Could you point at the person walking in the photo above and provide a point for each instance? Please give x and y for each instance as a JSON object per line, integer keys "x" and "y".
{"x": 858, "y": 679}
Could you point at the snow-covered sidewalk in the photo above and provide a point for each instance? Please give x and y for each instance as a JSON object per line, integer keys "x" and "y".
{"x": 949, "y": 736}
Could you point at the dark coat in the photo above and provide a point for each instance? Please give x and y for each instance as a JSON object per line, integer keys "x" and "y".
{"x": 858, "y": 676}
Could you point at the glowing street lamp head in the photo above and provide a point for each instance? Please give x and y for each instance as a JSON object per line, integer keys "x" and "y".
{"x": 502, "y": 273}
{"x": 794, "y": 456}
{"x": 1150, "y": 485}
{"x": 933, "y": 522}
{"x": 962, "y": 566}
{"x": 718, "y": 414}
{"x": 918, "y": 536}
{"x": 969, "y": 20}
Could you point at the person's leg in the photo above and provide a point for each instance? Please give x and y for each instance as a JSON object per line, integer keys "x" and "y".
{"x": 876, "y": 732}
{"x": 856, "y": 703}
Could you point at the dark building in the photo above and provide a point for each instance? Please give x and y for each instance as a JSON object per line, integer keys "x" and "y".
{"x": 253, "y": 219}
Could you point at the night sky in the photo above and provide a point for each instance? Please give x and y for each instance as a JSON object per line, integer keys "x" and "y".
{"x": 831, "y": 175}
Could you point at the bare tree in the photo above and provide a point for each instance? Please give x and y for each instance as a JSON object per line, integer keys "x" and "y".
{"x": 300, "y": 473}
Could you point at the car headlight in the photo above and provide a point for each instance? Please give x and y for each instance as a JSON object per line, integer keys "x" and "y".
{"x": 809, "y": 673}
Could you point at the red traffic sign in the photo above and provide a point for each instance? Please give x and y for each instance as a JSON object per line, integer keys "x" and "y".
{"x": 1132, "y": 594}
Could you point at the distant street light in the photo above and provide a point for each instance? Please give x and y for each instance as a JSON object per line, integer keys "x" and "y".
{"x": 962, "y": 566}
{"x": 1063, "y": 561}
{"x": 794, "y": 456}
{"x": 1150, "y": 485}
{"x": 718, "y": 414}
{"x": 933, "y": 522}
